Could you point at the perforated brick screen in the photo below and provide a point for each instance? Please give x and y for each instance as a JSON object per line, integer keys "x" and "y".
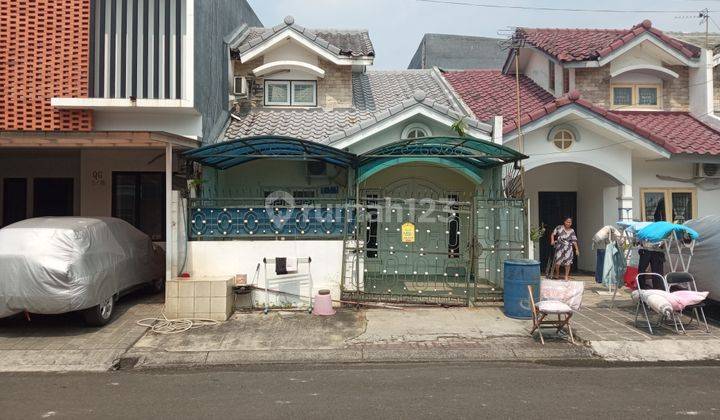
{"x": 44, "y": 53}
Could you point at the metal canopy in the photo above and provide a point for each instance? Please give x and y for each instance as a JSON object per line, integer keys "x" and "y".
{"x": 466, "y": 154}
{"x": 236, "y": 152}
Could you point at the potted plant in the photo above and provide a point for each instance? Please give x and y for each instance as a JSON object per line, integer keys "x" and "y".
{"x": 537, "y": 233}
{"x": 195, "y": 187}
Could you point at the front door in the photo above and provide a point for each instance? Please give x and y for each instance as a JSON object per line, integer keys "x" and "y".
{"x": 553, "y": 208}
{"x": 52, "y": 197}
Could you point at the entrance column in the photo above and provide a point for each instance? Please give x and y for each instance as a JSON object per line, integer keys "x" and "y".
{"x": 625, "y": 203}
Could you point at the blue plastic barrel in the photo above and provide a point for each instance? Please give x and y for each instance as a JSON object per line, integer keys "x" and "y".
{"x": 517, "y": 276}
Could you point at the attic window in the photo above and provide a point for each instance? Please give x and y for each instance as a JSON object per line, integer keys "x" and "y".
{"x": 290, "y": 93}
{"x": 416, "y": 131}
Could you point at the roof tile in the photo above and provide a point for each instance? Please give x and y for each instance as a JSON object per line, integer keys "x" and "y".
{"x": 487, "y": 92}
{"x": 592, "y": 44}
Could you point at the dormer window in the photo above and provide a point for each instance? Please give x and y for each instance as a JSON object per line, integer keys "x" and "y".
{"x": 635, "y": 96}
{"x": 290, "y": 93}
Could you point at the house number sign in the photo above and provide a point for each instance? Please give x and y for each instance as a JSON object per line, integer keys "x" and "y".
{"x": 408, "y": 232}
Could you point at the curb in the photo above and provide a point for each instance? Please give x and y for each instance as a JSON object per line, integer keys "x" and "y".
{"x": 167, "y": 359}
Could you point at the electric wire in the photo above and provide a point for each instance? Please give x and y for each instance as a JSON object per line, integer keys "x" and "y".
{"x": 549, "y": 9}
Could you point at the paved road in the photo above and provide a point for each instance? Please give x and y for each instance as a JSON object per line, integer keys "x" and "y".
{"x": 477, "y": 390}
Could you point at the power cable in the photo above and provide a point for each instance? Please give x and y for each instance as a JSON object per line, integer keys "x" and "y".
{"x": 549, "y": 9}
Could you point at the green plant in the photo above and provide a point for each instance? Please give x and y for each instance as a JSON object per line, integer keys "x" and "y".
{"x": 196, "y": 182}
{"x": 536, "y": 233}
{"x": 460, "y": 126}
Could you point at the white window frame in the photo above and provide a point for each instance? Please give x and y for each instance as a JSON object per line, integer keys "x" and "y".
{"x": 277, "y": 82}
{"x": 415, "y": 126}
{"x": 312, "y": 83}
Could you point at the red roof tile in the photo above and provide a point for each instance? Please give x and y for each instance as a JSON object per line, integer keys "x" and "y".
{"x": 681, "y": 132}
{"x": 591, "y": 44}
{"x": 488, "y": 93}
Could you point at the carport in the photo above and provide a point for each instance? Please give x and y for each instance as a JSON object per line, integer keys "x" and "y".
{"x": 113, "y": 146}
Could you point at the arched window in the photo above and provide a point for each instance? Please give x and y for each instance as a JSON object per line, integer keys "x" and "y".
{"x": 416, "y": 131}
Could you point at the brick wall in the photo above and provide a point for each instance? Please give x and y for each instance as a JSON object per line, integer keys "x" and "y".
{"x": 44, "y": 53}
{"x": 333, "y": 91}
{"x": 594, "y": 85}
{"x": 676, "y": 92}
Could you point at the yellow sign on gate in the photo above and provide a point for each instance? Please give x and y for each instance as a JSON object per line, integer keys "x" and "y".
{"x": 408, "y": 232}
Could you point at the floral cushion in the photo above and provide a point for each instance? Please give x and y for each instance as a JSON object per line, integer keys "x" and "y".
{"x": 553, "y": 307}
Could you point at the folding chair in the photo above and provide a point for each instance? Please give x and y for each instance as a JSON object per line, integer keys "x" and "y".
{"x": 642, "y": 303}
{"x": 557, "y": 297}
{"x": 680, "y": 278}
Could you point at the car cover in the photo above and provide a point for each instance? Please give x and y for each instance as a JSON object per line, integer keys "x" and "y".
{"x": 705, "y": 264}
{"x": 53, "y": 265}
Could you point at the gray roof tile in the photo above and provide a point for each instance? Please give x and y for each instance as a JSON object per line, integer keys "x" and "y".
{"x": 376, "y": 96}
{"x": 352, "y": 43}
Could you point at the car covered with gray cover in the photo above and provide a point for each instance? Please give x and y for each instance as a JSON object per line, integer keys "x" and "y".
{"x": 53, "y": 265}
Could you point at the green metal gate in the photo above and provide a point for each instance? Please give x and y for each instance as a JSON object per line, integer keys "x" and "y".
{"x": 413, "y": 251}
{"x": 501, "y": 234}
{"x": 455, "y": 257}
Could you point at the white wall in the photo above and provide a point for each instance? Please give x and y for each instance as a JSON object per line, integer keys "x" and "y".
{"x": 228, "y": 258}
{"x": 645, "y": 176}
{"x": 187, "y": 123}
{"x": 537, "y": 69}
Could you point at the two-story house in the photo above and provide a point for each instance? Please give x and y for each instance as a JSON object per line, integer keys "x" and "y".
{"x": 361, "y": 171}
{"x": 98, "y": 96}
{"x": 618, "y": 124}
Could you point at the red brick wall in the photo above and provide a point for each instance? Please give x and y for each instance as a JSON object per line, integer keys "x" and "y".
{"x": 44, "y": 53}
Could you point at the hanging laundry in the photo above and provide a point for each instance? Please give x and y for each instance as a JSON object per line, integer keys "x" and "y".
{"x": 614, "y": 266}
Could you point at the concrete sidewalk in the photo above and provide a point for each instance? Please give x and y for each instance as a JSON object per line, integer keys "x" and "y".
{"x": 609, "y": 330}
{"x": 413, "y": 334}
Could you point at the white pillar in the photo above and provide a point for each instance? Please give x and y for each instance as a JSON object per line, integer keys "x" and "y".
{"x": 625, "y": 202}
{"x": 497, "y": 133}
{"x": 168, "y": 212}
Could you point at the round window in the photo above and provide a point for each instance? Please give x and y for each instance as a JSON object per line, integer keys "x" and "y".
{"x": 416, "y": 131}
{"x": 563, "y": 139}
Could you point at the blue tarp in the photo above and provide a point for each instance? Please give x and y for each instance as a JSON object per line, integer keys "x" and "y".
{"x": 633, "y": 225}
{"x": 657, "y": 231}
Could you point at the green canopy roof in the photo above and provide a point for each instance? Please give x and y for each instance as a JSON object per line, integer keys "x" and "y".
{"x": 467, "y": 154}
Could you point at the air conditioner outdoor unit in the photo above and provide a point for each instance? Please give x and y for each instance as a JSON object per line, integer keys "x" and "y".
{"x": 707, "y": 170}
{"x": 240, "y": 86}
{"x": 316, "y": 168}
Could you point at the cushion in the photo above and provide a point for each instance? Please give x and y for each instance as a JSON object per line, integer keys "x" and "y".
{"x": 683, "y": 298}
{"x": 553, "y": 307}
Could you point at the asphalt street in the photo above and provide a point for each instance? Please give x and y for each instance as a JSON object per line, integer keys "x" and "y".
{"x": 477, "y": 390}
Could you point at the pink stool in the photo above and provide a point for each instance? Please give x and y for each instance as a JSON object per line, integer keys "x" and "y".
{"x": 323, "y": 303}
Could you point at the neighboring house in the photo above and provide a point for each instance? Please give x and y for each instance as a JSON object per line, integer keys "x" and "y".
{"x": 96, "y": 97}
{"x": 312, "y": 132}
{"x": 618, "y": 124}
{"x": 458, "y": 52}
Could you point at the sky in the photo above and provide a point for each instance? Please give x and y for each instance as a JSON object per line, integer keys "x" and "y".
{"x": 397, "y": 26}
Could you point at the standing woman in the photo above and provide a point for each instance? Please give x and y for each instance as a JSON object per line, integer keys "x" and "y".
{"x": 564, "y": 240}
